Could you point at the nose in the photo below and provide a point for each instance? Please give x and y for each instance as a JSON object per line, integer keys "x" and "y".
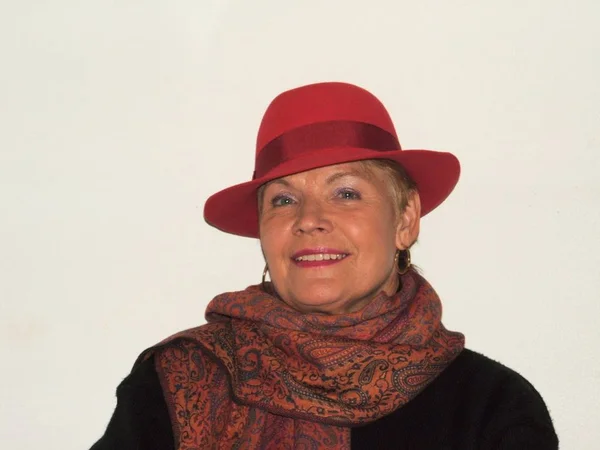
{"x": 312, "y": 218}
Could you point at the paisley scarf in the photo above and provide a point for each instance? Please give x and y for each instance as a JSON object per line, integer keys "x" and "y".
{"x": 261, "y": 375}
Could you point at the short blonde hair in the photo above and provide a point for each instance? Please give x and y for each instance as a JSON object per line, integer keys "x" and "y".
{"x": 401, "y": 184}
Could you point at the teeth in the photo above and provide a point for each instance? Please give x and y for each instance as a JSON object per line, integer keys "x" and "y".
{"x": 321, "y": 257}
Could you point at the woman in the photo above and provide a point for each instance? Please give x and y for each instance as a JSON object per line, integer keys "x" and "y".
{"x": 344, "y": 348}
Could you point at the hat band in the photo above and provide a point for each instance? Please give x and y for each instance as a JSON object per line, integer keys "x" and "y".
{"x": 322, "y": 135}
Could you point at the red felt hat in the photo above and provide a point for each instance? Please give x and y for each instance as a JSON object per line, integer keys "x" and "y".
{"x": 319, "y": 125}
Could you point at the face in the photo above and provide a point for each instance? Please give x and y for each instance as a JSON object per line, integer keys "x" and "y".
{"x": 329, "y": 236}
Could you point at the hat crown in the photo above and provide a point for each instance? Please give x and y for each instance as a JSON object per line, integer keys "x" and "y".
{"x": 319, "y": 103}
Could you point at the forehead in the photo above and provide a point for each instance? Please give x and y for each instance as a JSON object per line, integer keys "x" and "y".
{"x": 328, "y": 173}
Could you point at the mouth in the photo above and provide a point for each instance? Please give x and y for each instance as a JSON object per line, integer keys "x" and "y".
{"x": 321, "y": 257}
{"x": 318, "y": 257}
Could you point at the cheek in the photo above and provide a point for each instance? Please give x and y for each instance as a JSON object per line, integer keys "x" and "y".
{"x": 374, "y": 239}
{"x": 376, "y": 225}
{"x": 272, "y": 238}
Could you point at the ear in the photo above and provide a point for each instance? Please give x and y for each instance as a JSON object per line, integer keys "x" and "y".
{"x": 409, "y": 222}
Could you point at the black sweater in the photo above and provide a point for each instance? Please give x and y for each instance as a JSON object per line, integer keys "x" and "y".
{"x": 476, "y": 403}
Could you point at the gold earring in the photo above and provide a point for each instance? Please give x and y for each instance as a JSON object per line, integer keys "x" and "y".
{"x": 402, "y": 263}
{"x": 264, "y": 277}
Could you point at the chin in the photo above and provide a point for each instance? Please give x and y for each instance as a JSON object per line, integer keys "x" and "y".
{"x": 317, "y": 300}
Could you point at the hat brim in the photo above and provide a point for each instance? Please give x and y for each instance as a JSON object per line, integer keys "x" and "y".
{"x": 235, "y": 209}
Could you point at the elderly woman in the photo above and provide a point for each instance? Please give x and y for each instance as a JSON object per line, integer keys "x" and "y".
{"x": 345, "y": 347}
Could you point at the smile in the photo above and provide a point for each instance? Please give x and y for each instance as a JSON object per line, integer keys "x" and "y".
{"x": 321, "y": 257}
{"x": 318, "y": 256}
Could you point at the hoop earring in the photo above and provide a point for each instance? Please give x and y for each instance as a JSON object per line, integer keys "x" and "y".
{"x": 264, "y": 277}
{"x": 402, "y": 261}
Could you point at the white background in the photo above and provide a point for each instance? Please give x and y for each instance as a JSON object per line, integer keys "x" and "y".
{"x": 118, "y": 119}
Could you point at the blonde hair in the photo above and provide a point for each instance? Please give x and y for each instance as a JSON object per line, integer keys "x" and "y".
{"x": 400, "y": 182}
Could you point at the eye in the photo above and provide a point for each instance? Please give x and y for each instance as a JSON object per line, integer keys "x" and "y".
{"x": 282, "y": 200}
{"x": 347, "y": 194}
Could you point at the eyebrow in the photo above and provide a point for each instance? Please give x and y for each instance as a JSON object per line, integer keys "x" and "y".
{"x": 330, "y": 179}
{"x": 277, "y": 181}
{"x": 338, "y": 175}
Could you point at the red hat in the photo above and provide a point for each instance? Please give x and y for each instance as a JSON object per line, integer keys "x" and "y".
{"x": 319, "y": 125}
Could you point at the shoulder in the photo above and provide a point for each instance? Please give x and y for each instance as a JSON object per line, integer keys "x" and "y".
{"x": 507, "y": 407}
{"x": 184, "y": 341}
{"x": 475, "y": 365}
{"x": 488, "y": 382}
{"x": 475, "y": 372}
{"x": 141, "y": 419}
{"x": 475, "y": 402}
{"x": 142, "y": 375}
{"x": 199, "y": 333}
